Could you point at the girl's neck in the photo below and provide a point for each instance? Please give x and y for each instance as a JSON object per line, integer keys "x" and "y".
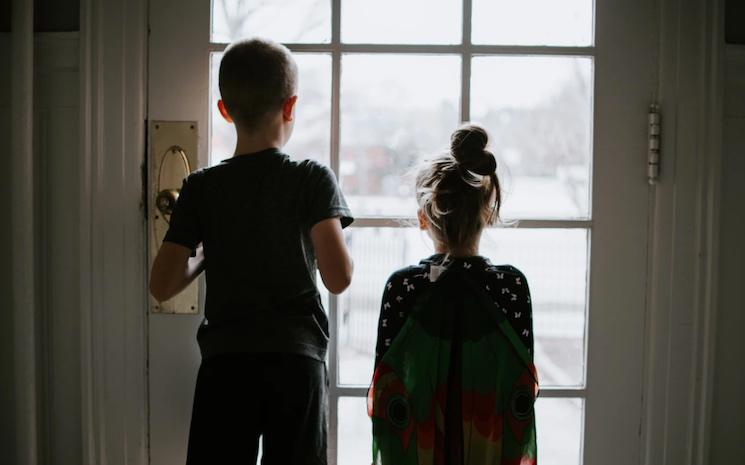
{"x": 471, "y": 250}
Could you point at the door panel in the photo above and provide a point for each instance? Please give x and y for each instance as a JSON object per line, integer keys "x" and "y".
{"x": 172, "y": 368}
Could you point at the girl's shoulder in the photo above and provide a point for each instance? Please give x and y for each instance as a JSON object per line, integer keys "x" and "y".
{"x": 505, "y": 271}
{"x": 409, "y": 273}
{"x": 478, "y": 267}
{"x": 507, "y": 283}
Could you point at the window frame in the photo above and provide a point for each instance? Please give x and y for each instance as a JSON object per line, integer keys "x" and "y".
{"x": 466, "y": 50}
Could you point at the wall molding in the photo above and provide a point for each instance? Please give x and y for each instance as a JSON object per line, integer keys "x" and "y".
{"x": 113, "y": 51}
{"x": 56, "y": 141}
{"x": 22, "y": 235}
{"x": 712, "y": 90}
{"x": 727, "y": 422}
{"x": 684, "y": 221}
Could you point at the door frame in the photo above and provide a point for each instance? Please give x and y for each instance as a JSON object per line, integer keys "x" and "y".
{"x": 682, "y": 250}
{"x": 683, "y": 261}
{"x": 113, "y": 52}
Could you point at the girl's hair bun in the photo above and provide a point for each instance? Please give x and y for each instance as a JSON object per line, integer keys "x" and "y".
{"x": 468, "y": 147}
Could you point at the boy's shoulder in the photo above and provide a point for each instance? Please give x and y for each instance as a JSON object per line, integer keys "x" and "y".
{"x": 193, "y": 179}
{"x": 311, "y": 173}
{"x": 311, "y": 166}
{"x": 302, "y": 168}
{"x": 198, "y": 173}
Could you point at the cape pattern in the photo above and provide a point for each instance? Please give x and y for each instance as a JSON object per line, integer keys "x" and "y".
{"x": 456, "y": 386}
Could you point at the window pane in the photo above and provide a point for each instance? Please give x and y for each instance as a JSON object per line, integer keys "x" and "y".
{"x": 559, "y": 430}
{"x": 538, "y": 111}
{"x": 394, "y": 110}
{"x": 310, "y": 138}
{"x": 533, "y": 22}
{"x": 554, "y": 261}
{"x": 393, "y": 21}
{"x": 377, "y": 253}
{"x": 289, "y": 21}
{"x": 558, "y": 424}
{"x": 355, "y": 432}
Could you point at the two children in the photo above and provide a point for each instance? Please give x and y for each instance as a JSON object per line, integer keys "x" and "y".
{"x": 259, "y": 223}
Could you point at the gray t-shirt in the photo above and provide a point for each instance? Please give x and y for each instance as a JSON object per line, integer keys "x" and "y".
{"x": 253, "y": 214}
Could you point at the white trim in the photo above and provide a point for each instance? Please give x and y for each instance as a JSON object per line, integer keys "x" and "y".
{"x": 90, "y": 144}
{"x": 404, "y": 222}
{"x": 623, "y": 81}
{"x": 343, "y": 390}
{"x": 712, "y": 124}
{"x": 439, "y": 49}
{"x": 23, "y": 255}
{"x": 681, "y": 314}
{"x": 113, "y": 305}
{"x": 333, "y": 300}
{"x": 466, "y": 60}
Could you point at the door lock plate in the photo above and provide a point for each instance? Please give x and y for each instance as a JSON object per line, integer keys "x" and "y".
{"x": 173, "y": 155}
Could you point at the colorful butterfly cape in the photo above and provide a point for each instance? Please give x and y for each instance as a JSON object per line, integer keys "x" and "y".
{"x": 456, "y": 386}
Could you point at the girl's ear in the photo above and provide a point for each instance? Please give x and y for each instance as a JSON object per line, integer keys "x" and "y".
{"x": 224, "y": 111}
{"x": 288, "y": 108}
{"x": 423, "y": 224}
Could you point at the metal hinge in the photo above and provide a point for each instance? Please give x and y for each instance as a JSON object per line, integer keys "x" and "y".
{"x": 653, "y": 146}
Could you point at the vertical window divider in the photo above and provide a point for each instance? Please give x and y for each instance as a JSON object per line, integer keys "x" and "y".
{"x": 466, "y": 56}
{"x": 333, "y": 356}
{"x": 465, "y": 90}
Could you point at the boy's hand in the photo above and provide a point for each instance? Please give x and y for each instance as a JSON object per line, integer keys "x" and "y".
{"x": 333, "y": 258}
{"x": 174, "y": 268}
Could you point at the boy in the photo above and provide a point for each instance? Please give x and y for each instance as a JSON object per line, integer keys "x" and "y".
{"x": 258, "y": 223}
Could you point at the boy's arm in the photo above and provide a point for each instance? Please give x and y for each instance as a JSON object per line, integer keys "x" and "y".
{"x": 333, "y": 258}
{"x": 173, "y": 269}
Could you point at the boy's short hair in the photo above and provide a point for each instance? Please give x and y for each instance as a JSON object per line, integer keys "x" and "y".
{"x": 256, "y": 76}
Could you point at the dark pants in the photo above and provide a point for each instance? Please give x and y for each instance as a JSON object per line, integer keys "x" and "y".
{"x": 240, "y": 397}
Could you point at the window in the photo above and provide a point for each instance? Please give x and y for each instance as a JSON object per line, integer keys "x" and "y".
{"x": 382, "y": 86}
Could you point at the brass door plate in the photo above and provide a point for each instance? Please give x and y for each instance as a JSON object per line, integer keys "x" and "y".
{"x": 173, "y": 155}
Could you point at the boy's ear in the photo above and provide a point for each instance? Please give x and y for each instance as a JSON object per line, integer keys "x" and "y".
{"x": 288, "y": 108}
{"x": 224, "y": 111}
{"x": 423, "y": 224}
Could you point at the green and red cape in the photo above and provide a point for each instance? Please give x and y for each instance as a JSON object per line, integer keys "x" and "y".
{"x": 456, "y": 386}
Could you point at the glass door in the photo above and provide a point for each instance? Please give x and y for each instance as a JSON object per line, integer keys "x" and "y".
{"x": 382, "y": 86}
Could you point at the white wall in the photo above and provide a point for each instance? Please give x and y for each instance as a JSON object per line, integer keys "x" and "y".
{"x": 728, "y": 416}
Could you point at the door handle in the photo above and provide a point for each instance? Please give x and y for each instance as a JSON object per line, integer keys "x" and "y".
{"x": 165, "y": 202}
{"x": 165, "y": 199}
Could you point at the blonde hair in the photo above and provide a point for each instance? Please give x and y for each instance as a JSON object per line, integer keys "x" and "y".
{"x": 459, "y": 192}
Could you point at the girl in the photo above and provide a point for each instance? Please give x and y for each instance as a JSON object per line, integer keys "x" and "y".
{"x": 454, "y": 379}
